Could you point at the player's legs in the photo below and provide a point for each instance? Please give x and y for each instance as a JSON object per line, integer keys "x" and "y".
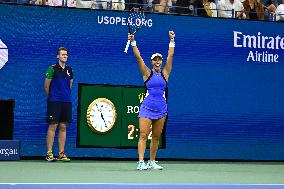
{"x": 144, "y": 125}
{"x": 49, "y": 141}
{"x": 62, "y": 136}
{"x": 50, "y": 136}
{"x": 65, "y": 117}
{"x": 61, "y": 141}
{"x": 53, "y": 112}
{"x": 145, "y": 128}
{"x": 157, "y": 129}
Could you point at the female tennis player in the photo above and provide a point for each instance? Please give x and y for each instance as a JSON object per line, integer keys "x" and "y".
{"x": 153, "y": 110}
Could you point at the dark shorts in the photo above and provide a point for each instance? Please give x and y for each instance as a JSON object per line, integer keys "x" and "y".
{"x": 59, "y": 112}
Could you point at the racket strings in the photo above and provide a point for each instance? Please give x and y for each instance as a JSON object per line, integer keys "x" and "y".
{"x": 136, "y": 20}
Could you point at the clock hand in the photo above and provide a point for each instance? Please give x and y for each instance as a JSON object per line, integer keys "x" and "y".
{"x": 103, "y": 119}
{"x": 98, "y": 108}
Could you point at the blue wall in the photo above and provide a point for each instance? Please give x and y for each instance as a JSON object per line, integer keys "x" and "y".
{"x": 221, "y": 106}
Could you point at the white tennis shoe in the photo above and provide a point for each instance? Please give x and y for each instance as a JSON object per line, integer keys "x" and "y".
{"x": 141, "y": 165}
{"x": 152, "y": 164}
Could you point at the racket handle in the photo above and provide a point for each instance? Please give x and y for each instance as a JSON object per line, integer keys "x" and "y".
{"x": 127, "y": 46}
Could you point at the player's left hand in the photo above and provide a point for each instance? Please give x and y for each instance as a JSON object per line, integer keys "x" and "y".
{"x": 171, "y": 34}
{"x": 130, "y": 37}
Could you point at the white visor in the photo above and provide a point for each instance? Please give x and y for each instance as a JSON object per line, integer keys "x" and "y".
{"x": 155, "y": 55}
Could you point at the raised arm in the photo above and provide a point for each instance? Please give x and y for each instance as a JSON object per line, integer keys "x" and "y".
{"x": 169, "y": 64}
{"x": 145, "y": 71}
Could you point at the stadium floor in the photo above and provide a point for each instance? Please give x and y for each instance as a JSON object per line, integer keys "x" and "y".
{"x": 175, "y": 172}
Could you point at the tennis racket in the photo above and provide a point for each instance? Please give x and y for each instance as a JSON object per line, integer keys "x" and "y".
{"x": 135, "y": 21}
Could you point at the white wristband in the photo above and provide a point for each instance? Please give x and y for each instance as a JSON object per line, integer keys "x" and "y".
{"x": 172, "y": 43}
{"x": 133, "y": 43}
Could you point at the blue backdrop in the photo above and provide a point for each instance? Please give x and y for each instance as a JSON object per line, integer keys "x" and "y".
{"x": 223, "y": 103}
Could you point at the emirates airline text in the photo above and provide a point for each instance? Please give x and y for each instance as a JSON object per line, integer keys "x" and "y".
{"x": 262, "y": 46}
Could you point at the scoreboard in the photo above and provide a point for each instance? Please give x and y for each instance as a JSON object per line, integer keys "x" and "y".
{"x": 108, "y": 116}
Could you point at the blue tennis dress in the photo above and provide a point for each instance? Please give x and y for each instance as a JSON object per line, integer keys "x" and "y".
{"x": 154, "y": 105}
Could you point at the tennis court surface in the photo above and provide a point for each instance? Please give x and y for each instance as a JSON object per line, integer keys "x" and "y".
{"x": 87, "y": 174}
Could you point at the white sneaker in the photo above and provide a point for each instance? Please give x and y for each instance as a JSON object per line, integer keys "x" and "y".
{"x": 153, "y": 165}
{"x": 141, "y": 165}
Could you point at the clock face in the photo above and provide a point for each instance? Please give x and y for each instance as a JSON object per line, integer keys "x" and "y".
{"x": 101, "y": 115}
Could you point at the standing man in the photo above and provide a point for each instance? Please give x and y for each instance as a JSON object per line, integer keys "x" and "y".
{"x": 57, "y": 85}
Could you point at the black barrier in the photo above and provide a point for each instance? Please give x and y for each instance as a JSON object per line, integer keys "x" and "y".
{"x": 7, "y": 119}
